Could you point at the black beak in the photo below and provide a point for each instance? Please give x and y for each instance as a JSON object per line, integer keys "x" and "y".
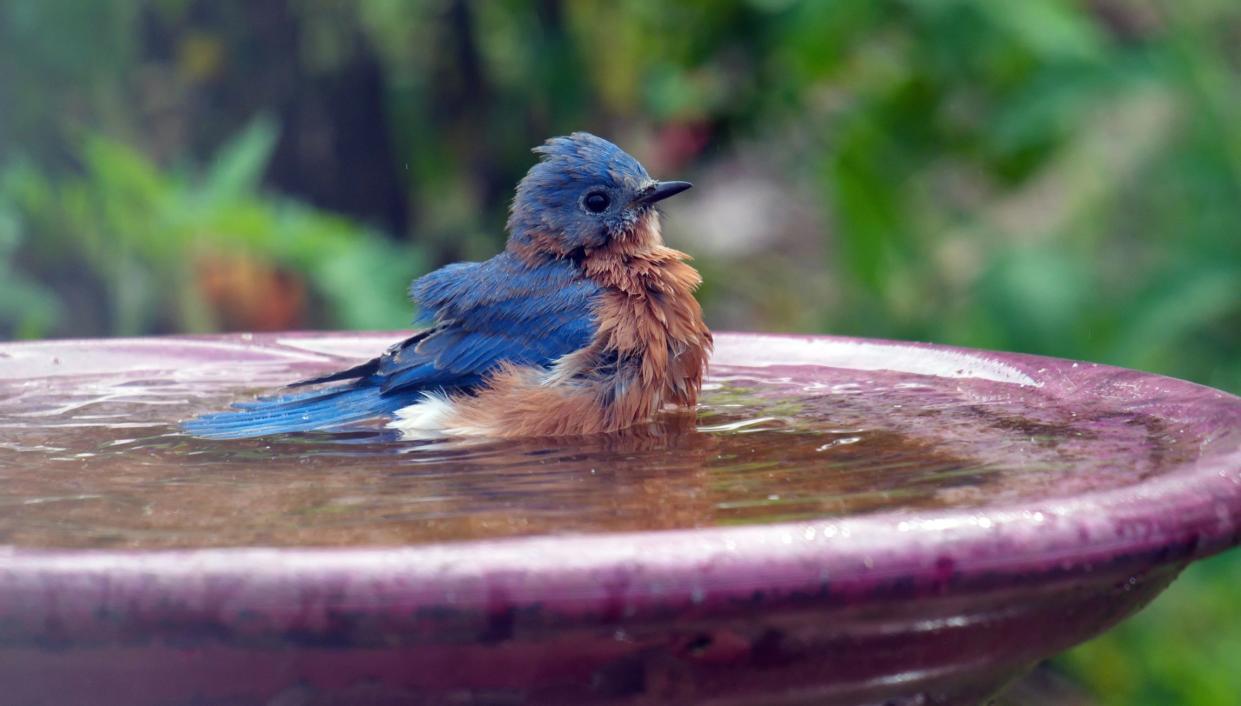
{"x": 662, "y": 190}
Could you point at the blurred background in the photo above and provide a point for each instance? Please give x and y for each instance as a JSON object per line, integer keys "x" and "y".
{"x": 1049, "y": 176}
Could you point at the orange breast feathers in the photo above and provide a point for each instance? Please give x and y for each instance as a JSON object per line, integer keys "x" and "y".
{"x": 650, "y": 351}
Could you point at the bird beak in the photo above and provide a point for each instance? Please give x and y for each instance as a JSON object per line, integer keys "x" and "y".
{"x": 661, "y": 190}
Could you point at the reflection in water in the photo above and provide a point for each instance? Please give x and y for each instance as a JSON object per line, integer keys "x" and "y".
{"x": 91, "y": 461}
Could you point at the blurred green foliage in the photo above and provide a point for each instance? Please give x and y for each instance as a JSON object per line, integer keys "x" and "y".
{"x": 1183, "y": 649}
{"x": 1049, "y": 176}
{"x": 128, "y": 243}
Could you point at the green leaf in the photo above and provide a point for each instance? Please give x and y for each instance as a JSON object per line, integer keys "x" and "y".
{"x": 238, "y": 167}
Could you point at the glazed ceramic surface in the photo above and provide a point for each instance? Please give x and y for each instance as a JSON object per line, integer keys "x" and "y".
{"x": 847, "y": 522}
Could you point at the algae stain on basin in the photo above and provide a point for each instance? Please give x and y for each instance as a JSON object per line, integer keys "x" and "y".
{"x": 844, "y": 521}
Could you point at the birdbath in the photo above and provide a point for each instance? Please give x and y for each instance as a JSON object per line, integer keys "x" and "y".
{"x": 844, "y": 522}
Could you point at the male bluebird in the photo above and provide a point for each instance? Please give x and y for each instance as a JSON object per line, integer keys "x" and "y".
{"x": 585, "y": 322}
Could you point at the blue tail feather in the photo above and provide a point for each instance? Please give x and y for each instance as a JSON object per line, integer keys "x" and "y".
{"x": 303, "y": 411}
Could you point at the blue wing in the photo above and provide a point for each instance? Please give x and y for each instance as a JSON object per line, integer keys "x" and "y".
{"x": 485, "y": 314}
{"x": 480, "y": 315}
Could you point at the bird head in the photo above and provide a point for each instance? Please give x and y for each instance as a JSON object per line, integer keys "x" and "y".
{"x": 583, "y": 194}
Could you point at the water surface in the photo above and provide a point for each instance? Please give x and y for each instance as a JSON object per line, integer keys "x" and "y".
{"x": 91, "y": 457}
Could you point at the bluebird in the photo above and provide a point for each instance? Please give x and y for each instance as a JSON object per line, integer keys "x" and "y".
{"x": 585, "y": 323}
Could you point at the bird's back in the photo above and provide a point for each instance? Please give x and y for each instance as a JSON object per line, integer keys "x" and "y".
{"x": 479, "y": 317}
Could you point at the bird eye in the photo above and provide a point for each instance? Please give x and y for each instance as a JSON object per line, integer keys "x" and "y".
{"x": 596, "y": 202}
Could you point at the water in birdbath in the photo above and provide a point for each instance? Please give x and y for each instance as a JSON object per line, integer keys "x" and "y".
{"x": 92, "y": 457}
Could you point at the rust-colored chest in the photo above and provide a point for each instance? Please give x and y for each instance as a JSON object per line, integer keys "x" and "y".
{"x": 651, "y": 324}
